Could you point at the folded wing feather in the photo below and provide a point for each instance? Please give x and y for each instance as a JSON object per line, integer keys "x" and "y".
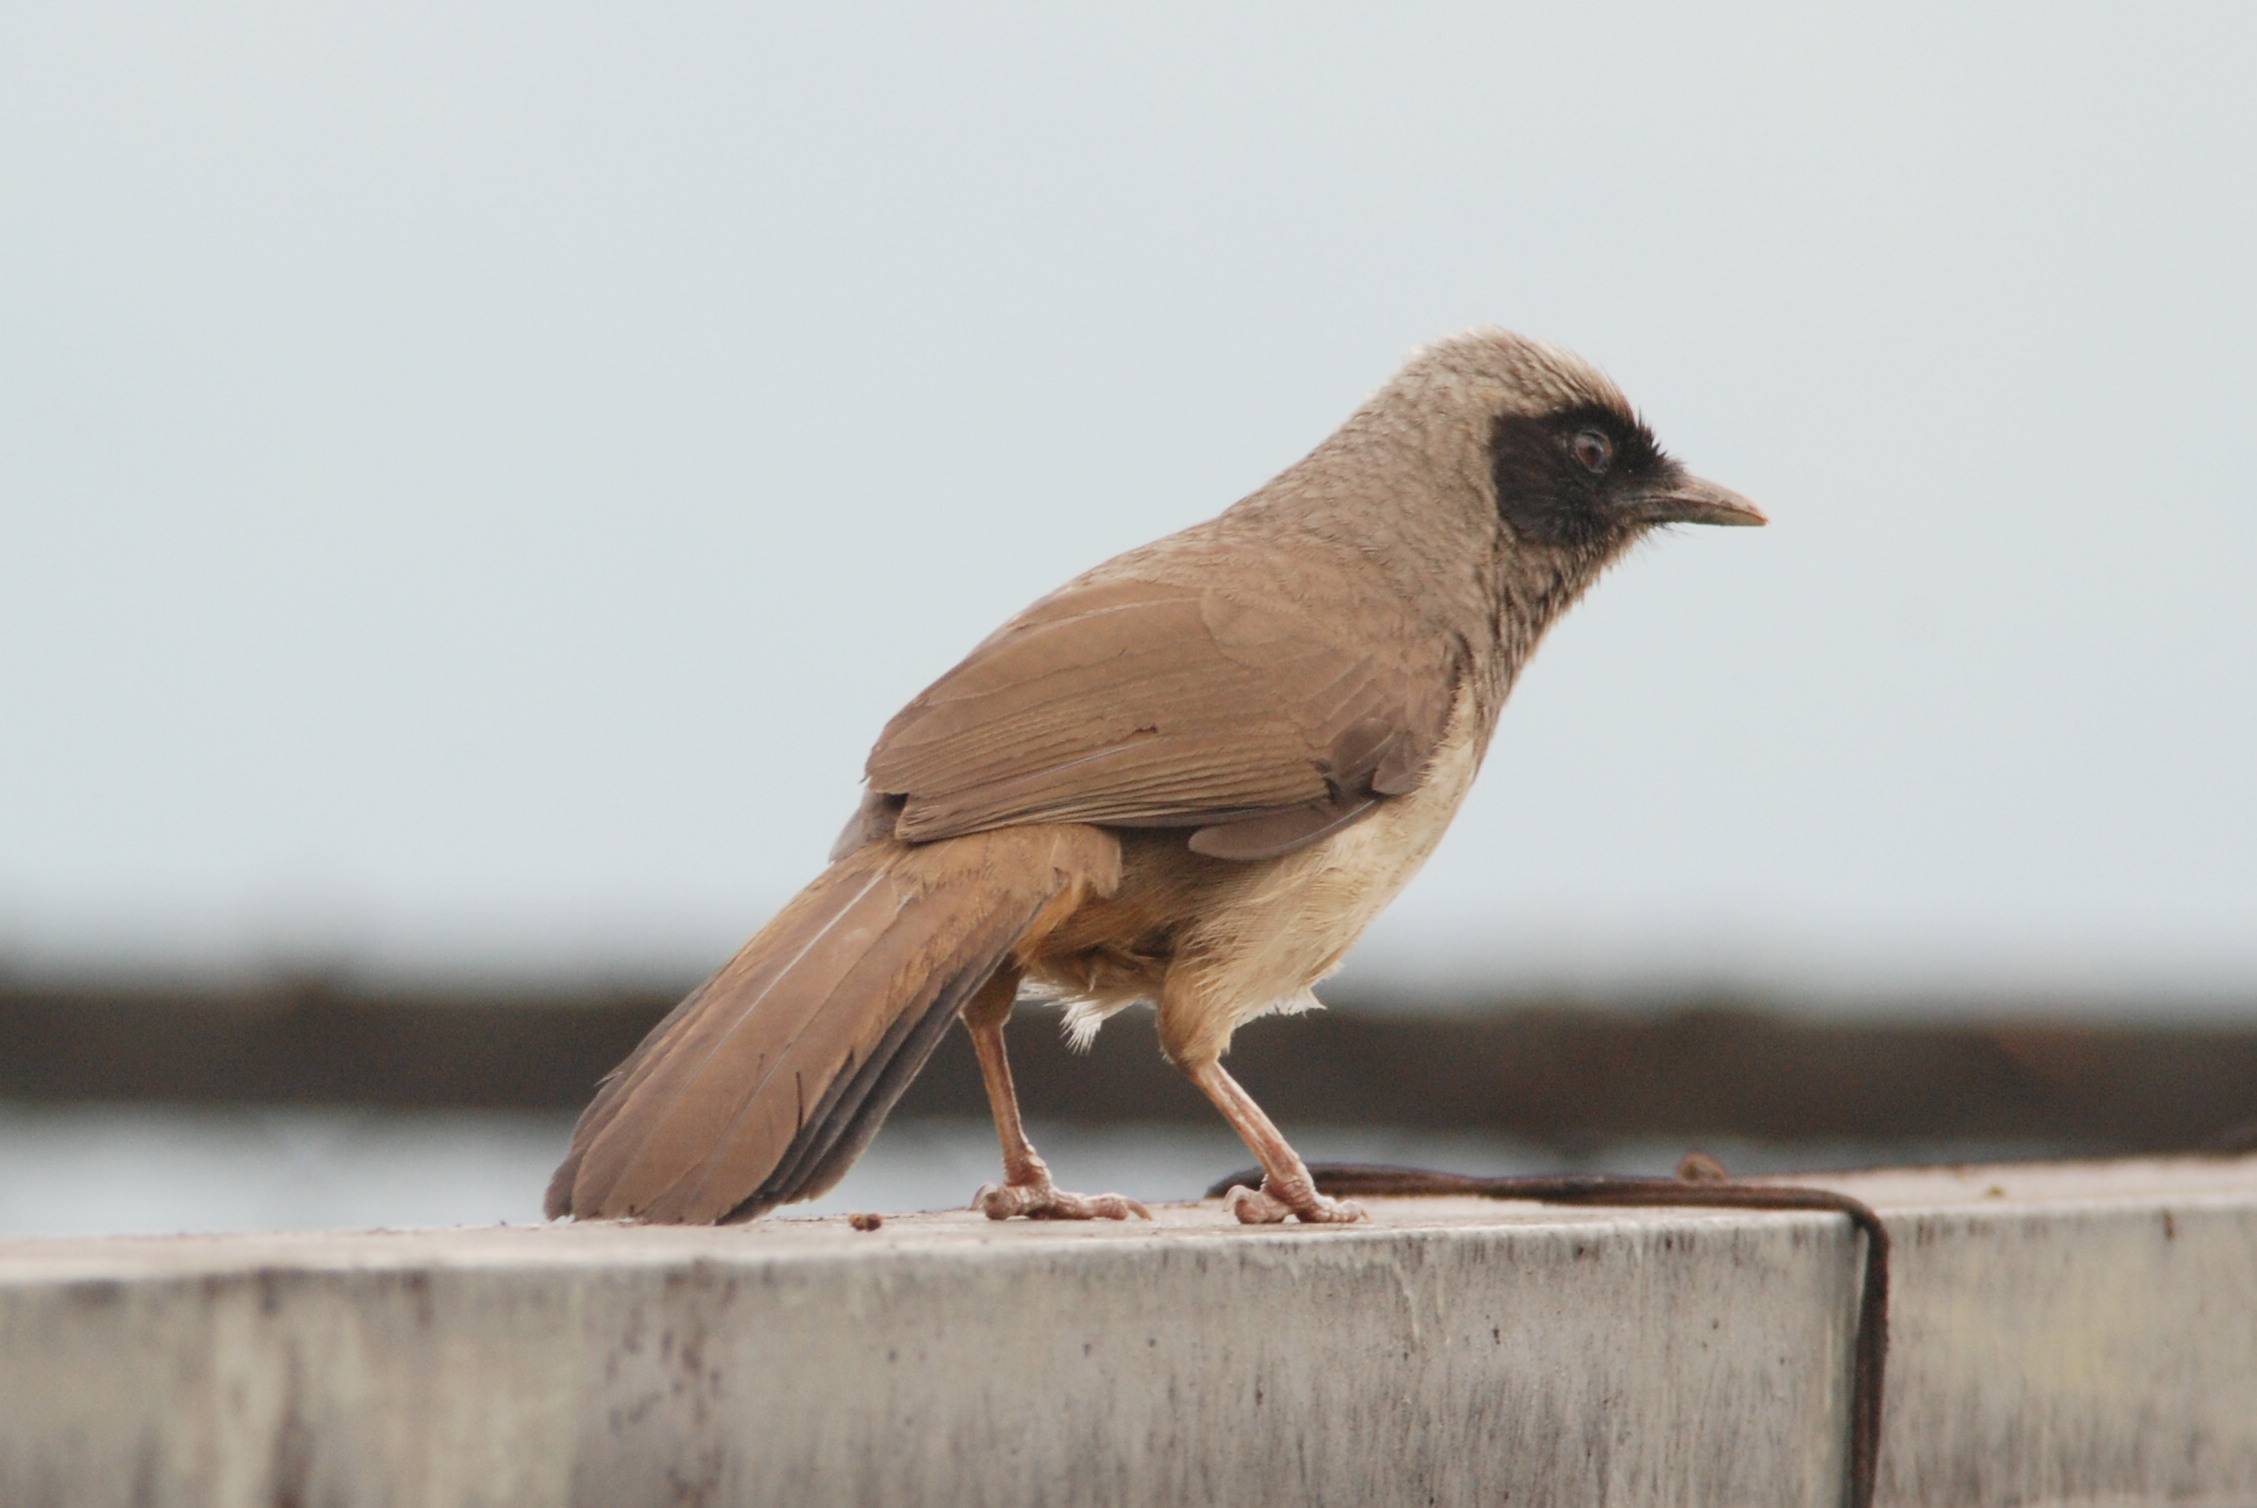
{"x": 1137, "y": 703}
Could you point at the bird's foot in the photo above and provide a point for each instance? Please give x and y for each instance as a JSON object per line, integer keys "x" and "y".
{"x": 1040, "y": 1199}
{"x": 1273, "y": 1201}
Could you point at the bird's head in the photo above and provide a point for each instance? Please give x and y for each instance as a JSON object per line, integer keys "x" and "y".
{"x": 1571, "y": 464}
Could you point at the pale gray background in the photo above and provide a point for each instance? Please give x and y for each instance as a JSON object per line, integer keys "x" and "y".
{"x": 477, "y": 477}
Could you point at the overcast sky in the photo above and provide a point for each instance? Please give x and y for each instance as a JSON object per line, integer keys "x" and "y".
{"x": 476, "y": 478}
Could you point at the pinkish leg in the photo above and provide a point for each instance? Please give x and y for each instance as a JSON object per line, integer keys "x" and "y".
{"x": 1026, "y": 1188}
{"x": 1286, "y": 1187}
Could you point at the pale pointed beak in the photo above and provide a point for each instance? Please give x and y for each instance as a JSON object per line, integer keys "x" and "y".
{"x": 1689, "y": 500}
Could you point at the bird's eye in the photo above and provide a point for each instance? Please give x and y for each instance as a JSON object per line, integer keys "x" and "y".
{"x": 1594, "y": 450}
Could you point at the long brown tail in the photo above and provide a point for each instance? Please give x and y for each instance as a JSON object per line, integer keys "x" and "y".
{"x": 769, "y": 1080}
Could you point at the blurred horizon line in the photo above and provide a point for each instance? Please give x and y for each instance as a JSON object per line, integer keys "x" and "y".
{"x": 1829, "y": 975}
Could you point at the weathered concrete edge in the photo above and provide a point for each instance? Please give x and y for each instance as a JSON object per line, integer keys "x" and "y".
{"x": 2008, "y": 1191}
{"x": 2061, "y": 1342}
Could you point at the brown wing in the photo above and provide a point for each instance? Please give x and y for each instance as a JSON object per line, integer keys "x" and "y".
{"x": 1149, "y": 704}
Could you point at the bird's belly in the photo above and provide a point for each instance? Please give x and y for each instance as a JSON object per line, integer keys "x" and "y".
{"x": 1273, "y": 930}
{"x": 1220, "y": 941}
{"x": 1324, "y": 898}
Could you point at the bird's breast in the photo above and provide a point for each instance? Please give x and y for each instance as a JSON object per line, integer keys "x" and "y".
{"x": 1343, "y": 883}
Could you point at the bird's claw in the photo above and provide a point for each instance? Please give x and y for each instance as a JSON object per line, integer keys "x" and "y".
{"x": 1045, "y": 1201}
{"x": 1271, "y": 1203}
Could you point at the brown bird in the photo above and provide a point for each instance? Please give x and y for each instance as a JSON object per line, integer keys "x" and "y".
{"x": 1191, "y": 776}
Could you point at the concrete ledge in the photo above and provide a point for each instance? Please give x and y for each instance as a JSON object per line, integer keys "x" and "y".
{"x": 2064, "y": 1335}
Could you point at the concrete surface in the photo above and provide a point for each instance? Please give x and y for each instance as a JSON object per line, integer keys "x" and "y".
{"x": 2064, "y": 1335}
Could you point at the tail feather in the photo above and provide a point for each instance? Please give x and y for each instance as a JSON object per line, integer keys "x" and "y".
{"x": 765, "y": 1084}
{"x": 613, "y": 1088}
{"x": 724, "y": 1056}
{"x": 857, "y": 1103}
